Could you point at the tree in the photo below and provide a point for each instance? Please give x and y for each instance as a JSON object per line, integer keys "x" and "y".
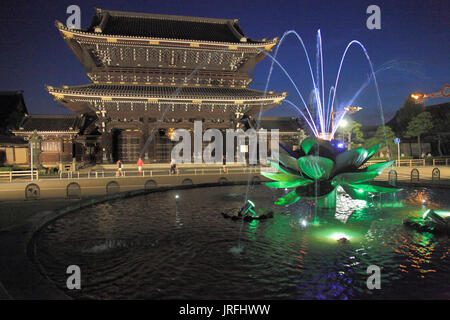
{"x": 405, "y": 114}
{"x": 385, "y": 136}
{"x": 352, "y": 131}
{"x": 441, "y": 129}
{"x": 419, "y": 125}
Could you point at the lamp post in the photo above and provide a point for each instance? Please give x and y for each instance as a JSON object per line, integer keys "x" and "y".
{"x": 343, "y": 124}
{"x": 397, "y": 142}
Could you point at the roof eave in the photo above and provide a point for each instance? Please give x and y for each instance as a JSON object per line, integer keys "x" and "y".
{"x": 70, "y": 33}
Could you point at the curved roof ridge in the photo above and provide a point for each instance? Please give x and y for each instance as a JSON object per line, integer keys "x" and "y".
{"x": 116, "y": 13}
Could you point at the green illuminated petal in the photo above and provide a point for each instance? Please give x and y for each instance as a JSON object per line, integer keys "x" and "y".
{"x": 372, "y": 188}
{"x": 308, "y": 143}
{"x": 352, "y": 158}
{"x": 372, "y": 150}
{"x": 276, "y": 165}
{"x": 284, "y": 177}
{"x": 353, "y": 177}
{"x": 289, "y": 161}
{"x": 316, "y": 167}
{"x": 288, "y": 199}
{"x": 287, "y": 184}
{"x": 355, "y": 193}
{"x": 379, "y": 167}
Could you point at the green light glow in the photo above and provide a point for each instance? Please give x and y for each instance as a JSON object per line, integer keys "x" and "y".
{"x": 327, "y": 171}
{"x": 283, "y": 185}
{"x": 353, "y": 177}
{"x": 316, "y": 167}
{"x": 282, "y": 177}
{"x": 374, "y": 188}
{"x": 379, "y": 167}
{"x": 372, "y": 150}
{"x": 288, "y": 199}
{"x": 307, "y": 144}
{"x": 339, "y": 235}
{"x": 443, "y": 213}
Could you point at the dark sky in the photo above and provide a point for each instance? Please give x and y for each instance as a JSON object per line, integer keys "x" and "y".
{"x": 412, "y": 48}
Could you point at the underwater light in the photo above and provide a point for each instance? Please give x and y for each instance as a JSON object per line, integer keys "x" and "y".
{"x": 339, "y": 236}
{"x": 177, "y": 196}
{"x": 248, "y": 207}
{"x": 304, "y": 223}
{"x": 430, "y": 214}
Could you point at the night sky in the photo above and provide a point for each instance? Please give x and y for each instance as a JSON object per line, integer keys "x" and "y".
{"x": 411, "y": 49}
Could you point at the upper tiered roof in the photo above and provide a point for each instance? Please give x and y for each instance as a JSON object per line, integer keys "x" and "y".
{"x": 167, "y": 26}
{"x": 119, "y": 26}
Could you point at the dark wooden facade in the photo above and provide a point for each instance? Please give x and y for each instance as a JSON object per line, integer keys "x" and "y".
{"x": 59, "y": 139}
{"x": 151, "y": 74}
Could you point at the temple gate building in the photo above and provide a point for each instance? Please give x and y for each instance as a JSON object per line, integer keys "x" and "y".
{"x": 151, "y": 74}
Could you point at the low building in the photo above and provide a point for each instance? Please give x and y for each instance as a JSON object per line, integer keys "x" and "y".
{"x": 56, "y": 139}
{"x": 13, "y": 151}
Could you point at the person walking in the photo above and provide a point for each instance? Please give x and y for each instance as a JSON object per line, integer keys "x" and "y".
{"x": 140, "y": 165}
{"x": 119, "y": 171}
{"x": 173, "y": 167}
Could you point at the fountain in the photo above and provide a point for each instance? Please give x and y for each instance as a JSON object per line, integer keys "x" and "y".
{"x": 322, "y": 163}
{"x": 319, "y": 167}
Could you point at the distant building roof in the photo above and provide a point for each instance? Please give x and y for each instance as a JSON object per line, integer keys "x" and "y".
{"x": 11, "y": 141}
{"x": 12, "y": 110}
{"x": 50, "y": 123}
{"x": 134, "y": 24}
{"x": 284, "y": 124}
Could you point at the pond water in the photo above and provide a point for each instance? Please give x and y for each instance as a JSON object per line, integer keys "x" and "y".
{"x": 158, "y": 247}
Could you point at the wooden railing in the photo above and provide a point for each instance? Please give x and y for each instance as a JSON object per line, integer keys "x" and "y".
{"x": 26, "y": 174}
{"x": 21, "y": 175}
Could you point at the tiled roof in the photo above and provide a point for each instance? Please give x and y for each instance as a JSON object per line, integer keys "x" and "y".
{"x": 11, "y": 141}
{"x": 136, "y": 91}
{"x": 284, "y": 124}
{"x": 166, "y": 26}
{"x": 50, "y": 123}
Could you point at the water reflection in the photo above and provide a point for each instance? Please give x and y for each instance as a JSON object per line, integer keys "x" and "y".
{"x": 159, "y": 247}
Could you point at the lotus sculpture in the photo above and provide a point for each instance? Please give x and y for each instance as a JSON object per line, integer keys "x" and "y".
{"x": 319, "y": 166}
